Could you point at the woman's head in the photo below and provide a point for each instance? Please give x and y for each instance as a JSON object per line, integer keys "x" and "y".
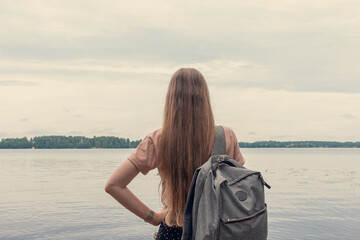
{"x": 187, "y": 137}
{"x": 187, "y": 94}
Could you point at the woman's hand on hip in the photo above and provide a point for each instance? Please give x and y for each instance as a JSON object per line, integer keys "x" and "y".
{"x": 158, "y": 217}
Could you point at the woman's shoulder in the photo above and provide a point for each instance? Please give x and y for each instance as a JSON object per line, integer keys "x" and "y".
{"x": 154, "y": 136}
{"x": 228, "y": 131}
{"x": 232, "y": 145}
{"x": 145, "y": 155}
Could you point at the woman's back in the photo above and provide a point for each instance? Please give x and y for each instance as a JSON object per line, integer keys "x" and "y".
{"x": 182, "y": 145}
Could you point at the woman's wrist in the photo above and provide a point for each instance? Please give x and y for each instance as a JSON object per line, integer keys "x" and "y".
{"x": 154, "y": 218}
{"x": 149, "y": 217}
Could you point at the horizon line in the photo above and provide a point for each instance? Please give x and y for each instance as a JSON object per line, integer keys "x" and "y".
{"x": 271, "y": 140}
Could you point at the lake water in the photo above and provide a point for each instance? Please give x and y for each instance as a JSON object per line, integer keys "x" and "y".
{"x": 59, "y": 194}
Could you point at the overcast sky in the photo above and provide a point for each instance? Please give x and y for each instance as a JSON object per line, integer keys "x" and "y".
{"x": 276, "y": 70}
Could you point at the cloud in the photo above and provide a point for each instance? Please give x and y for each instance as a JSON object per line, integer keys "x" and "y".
{"x": 297, "y": 46}
{"x": 282, "y": 137}
{"x": 75, "y": 132}
{"x": 15, "y": 83}
{"x": 38, "y": 132}
{"x": 23, "y": 119}
{"x": 348, "y": 116}
{"x": 3, "y": 135}
{"x": 233, "y": 73}
{"x": 104, "y": 132}
{"x": 282, "y": 66}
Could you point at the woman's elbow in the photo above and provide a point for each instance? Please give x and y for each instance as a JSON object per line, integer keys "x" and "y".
{"x": 109, "y": 187}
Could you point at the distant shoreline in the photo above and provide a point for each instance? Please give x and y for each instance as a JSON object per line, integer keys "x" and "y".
{"x": 299, "y": 144}
{"x": 110, "y": 142}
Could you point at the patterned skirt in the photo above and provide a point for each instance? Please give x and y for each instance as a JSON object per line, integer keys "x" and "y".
{"x": 168, "y": 233}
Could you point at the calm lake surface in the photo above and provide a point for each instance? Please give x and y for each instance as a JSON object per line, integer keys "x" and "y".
{"x": 59, "y": 194}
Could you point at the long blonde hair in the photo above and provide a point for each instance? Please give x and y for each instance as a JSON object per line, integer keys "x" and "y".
{"x": 187, "y": 137}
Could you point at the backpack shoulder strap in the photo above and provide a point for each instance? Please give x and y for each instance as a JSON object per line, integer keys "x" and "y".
{"x": 219, "y": 145}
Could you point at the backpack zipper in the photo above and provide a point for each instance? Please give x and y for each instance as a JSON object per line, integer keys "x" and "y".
{"x": 245, "y": 218}
{"x": 263, "y": 181}
{"x": 249, "y": 174}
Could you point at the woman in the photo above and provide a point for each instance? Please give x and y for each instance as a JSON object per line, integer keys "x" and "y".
{"x": 183, "y": 144}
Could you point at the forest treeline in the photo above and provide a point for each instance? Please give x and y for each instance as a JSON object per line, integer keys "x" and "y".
{"x": 52, "y": 142}
{"x": 299, "y": 144}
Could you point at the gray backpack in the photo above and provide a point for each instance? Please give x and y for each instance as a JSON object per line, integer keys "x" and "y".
{"x": 226, "y": 200}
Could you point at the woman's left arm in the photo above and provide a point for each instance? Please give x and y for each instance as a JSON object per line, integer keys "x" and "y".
{"x": 117, "y": 188}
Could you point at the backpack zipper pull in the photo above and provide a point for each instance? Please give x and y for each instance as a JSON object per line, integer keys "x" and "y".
{"x": 263, "y": 181}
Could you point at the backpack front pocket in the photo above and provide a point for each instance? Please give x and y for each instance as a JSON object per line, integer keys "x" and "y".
{"x": 253, "y": 227}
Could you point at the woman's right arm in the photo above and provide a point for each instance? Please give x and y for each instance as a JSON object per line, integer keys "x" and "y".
{"x": 116, "y": 186}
